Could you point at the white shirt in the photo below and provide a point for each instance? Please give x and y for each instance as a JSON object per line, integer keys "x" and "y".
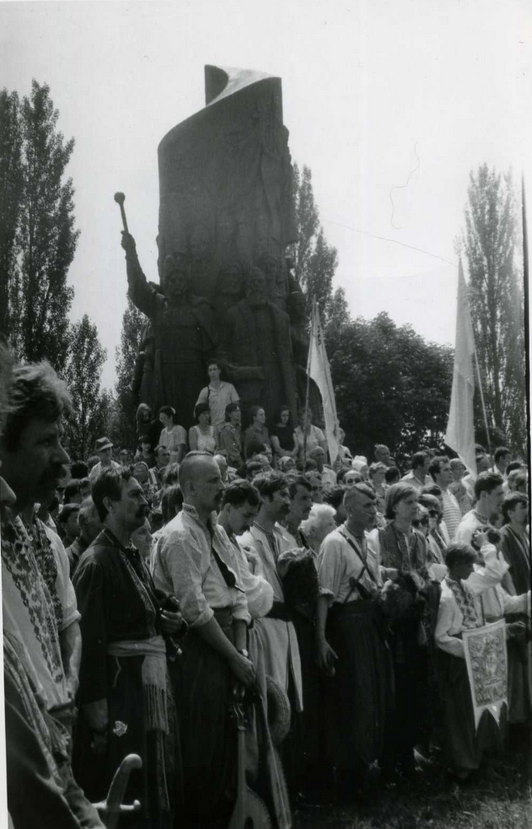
{"x": 218, "y": 399}
{"x": 338, "y": 563}
{"x": 183, "y": 564}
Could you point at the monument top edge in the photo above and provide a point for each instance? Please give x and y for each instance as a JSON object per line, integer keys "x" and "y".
{"x": 223, "y": 81}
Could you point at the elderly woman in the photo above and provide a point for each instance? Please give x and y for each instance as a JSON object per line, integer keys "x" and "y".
{"x": 201, "y": 436}
{"x": 360, "y": 465}
{"x": 146, "y": 479}
{"x": 403, "y": 557}
{"x": 318, "y": 525}
{"x": 460, "y": 609}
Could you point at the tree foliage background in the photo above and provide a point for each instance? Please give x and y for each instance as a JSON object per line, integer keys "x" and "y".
{"x": 38, "y": 238}
{"x": 315, "y": 261}
{"x": 492, "y": 246}
{"x": 82, "y": 374}
{"x": 124, "y": 427}
{"x": 37, "y": 245}
{"x": 392, "y": 386}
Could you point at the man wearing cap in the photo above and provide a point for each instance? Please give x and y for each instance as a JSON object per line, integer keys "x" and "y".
{"x": 104, "y": 449}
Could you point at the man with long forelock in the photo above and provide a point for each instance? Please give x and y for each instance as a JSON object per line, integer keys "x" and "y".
{"x": 351, "y": 649}
{"x": 195, "y": 560}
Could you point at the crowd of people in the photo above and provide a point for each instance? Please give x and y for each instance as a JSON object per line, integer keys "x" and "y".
{"x": 162, "y": 598}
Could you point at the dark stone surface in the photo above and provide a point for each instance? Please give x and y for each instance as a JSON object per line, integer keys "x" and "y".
{"x": 226, "y": 211}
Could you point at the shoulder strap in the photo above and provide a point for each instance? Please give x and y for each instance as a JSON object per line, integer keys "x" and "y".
{"x": 364, "y": 563}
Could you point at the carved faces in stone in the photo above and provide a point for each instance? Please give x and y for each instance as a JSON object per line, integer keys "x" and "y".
{"x": 256, "y": 287}
{"x": 176, "y": 282}
{"x": 231, "y": 280}
{"x": 272, "y": 269}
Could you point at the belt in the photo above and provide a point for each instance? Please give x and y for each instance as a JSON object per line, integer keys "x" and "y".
{"x": 280, "y": 611}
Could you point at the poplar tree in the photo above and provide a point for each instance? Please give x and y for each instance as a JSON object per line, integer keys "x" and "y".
{"x": 496, "y": 295}
{"x": 83, "y": 374}
{"x": 11, "y": 189}
{"x": 315, "y": 261}
{"x": 45, "y": 237}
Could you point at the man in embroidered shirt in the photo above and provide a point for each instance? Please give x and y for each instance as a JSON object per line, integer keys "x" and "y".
{"x": 441, "y": 473}
{"x": 40, "y": 615}
{"x": 195, "y": 559}
{"x": 350, "y": 648}
{"x": 489, "y": 492}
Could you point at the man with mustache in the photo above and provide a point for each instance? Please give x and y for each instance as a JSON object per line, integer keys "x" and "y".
{"x": 276, "y": 630}
{"x": 194, "y": 558}
{"x": 125, "y": 697}
{"x": 42, "y": 640}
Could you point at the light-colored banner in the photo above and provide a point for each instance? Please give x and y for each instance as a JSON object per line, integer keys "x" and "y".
{"x": 487, "y": 668}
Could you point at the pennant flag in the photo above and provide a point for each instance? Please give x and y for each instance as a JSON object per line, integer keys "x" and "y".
{"x": 487, "y": 668}
{"x": 319, "y": 371}
{"x": 460, "y": 434}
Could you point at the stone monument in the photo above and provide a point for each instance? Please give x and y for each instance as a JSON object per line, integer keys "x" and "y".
{"x": 226, "y": 211}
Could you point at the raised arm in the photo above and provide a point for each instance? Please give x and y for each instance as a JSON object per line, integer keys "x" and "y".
{"x": 141, "y": 293}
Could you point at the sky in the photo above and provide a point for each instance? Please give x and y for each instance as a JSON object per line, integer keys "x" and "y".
{"x": 377, "y": 94}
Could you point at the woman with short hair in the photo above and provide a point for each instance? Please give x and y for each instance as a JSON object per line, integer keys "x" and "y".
{"x": 201, "y": 436}
{"x": 403, "y": 555}
{"x": 173, "y": 436}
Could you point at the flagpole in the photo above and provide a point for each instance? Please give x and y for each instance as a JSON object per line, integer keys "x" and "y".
{"x": 483, "y": 404}
{"x": 307, "y": 393}
{"x": 526, "y": 298}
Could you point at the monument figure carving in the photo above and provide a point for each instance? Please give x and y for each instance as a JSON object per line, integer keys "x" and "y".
{"x": 256, "y": 336}
{"x": 183, "y": 331}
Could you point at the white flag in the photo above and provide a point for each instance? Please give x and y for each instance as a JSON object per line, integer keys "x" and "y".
{"x": 319, "y": 371}
{"x": 460, "y": 434}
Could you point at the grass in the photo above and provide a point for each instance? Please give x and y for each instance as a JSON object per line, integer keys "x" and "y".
{"x": 499, "y": 798}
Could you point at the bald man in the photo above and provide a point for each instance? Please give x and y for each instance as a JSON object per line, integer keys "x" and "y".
{"x": 196, "y": 561}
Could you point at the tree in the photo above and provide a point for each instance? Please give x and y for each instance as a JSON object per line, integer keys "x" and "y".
{"x": 315, "y": 261}
{"x": 45, "y": 238}
{"x": 11, "y": 184}
{"x": 83, "y": 376}
{"x": 391, "y": 386}
{"x": 126, "y": 401}
{"x": 496, "y": 297}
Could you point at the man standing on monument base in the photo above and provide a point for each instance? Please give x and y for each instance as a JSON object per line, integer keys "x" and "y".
{"x": 183, "y": 330}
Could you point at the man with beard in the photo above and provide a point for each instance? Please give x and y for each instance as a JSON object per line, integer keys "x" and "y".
{"x": 125, "y": 695}
{"x": 195, "y": 559}
{"x": 42, "y": 642}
